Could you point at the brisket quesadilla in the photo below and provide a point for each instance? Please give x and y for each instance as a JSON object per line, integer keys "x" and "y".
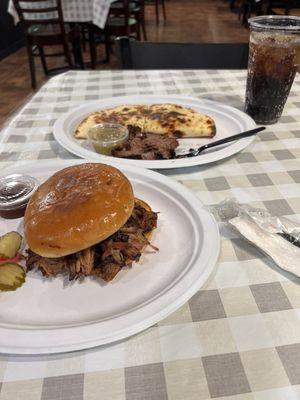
{"x": 163, "y": 119}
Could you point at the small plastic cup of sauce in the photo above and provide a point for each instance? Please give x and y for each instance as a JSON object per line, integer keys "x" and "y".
{"x": 105, "y": 137}
{"x": 15, "y": 192}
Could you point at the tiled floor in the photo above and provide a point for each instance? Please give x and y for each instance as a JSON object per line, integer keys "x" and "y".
{"x": 187, "y": 21}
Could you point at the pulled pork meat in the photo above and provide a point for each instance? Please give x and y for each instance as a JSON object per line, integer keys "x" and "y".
{"x": 146, "y": 146}
{"x": 106, "y": 258}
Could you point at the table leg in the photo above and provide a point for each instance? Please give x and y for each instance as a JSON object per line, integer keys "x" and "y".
{"x": 92, "y": 43}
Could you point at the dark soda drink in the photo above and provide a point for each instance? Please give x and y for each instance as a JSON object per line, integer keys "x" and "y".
{"x": 273, "y": 62}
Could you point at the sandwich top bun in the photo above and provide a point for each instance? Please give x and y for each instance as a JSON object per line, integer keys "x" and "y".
{"x": 76, "y": 208}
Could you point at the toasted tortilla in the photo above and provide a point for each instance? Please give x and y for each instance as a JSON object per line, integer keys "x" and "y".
{"x": 163, "y": 119}
{"x": 123, "y": 115}
{"x": 175, "y": 120}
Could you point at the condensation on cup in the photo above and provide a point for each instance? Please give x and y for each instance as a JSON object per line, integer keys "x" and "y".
{"x": 274, "y": 57}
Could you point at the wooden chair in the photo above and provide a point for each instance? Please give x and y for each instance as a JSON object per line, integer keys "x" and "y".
{"x": 156, "y": 3}
{"x": 144, "y": 55}
{"x": 283, "y": 7}
{"x": 41, "y": 32}
{"x": 136, "y": 10}
{"x": 139, "y": 13}
{"x": 248, "y": 7}
{"x": 232, "y": 5}
{"x": 120, "y": 23}
{"x": 93, "y": 35}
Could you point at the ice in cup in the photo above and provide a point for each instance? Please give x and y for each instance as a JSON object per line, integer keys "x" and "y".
{"x": 273, "y": 62}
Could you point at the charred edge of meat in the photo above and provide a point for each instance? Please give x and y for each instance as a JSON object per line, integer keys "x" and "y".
{"x": 146, "y": 146}
{"x": 106, "y": 258}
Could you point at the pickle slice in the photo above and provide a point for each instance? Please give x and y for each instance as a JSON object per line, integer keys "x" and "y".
{"x": 10, "y": 243}
{"x": 12, "y": 276}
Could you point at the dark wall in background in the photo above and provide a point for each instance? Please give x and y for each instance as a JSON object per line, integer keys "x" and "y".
{"x": 10, "y": 35}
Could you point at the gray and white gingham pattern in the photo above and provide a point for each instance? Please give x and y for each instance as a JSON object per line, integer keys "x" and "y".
{"x": 239, "y": 337}
{"x": 95, "y": 11}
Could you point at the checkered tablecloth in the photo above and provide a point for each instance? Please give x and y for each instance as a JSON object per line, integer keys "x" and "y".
{"x": 238, "y": 338}
{"x": 95, "y": 11}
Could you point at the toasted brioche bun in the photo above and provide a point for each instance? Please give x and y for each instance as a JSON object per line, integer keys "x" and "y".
{"x": 76, "y": 208}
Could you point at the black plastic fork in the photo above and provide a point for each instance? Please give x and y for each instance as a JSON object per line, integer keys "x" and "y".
{"x": 241, "y": 135}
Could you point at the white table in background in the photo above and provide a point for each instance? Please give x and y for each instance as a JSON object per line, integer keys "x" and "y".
{"x": 95, "y": 11}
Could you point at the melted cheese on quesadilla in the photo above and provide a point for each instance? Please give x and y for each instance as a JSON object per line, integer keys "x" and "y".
{"x": 163, "y": 119}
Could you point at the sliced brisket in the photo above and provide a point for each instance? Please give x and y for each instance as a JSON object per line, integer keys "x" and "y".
{"x": 146, "y": 146}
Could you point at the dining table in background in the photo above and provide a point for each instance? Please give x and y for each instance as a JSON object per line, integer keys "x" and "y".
{"x": 94, "y": 11}
{"x": 239, "y": 337}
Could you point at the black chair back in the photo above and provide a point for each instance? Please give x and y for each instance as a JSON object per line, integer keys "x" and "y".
{"x": 51, "y": 8}
{"x": 286, "y": 5}
{"x": 145, "y": 55}
{"x": 121, "y": 11}
{"x": 43, "y": 25}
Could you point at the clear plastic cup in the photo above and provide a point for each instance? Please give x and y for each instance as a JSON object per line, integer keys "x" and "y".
{"x": 105, "y": 137}
{"x": 15, "y": 192}
{"x": 273, "y": 62}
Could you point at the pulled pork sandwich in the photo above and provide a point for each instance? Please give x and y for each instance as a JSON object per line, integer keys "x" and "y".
{"x": 85, "y": 221}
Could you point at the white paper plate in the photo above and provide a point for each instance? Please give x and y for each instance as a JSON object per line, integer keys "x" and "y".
{"x": 49, "y": 316}
{"x": 229, "y": 121}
